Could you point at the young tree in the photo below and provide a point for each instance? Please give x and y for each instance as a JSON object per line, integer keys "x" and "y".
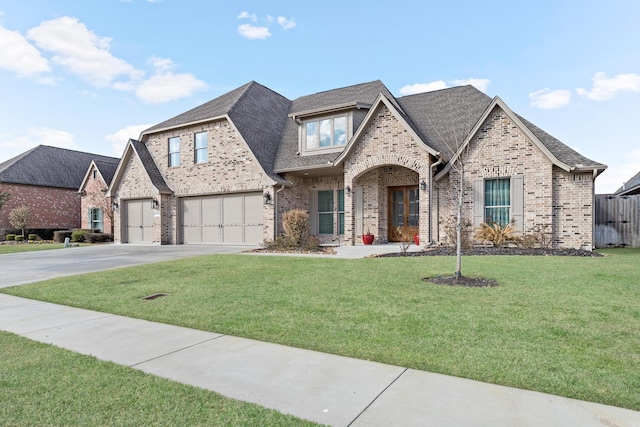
{"x": 456, "y": 124}
{"x": 20, "y": 218}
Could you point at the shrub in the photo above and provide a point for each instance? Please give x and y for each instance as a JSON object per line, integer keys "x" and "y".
{"x": 32, "y": 237}
{"x": 60, "y": 235}
{"x": 19, "y": 238}
{"x": 296, "y": 226}
{"x": 449, "y": 225}
{"x": 79, "y": 235}
{"x": 497, "y": 234}
{"x": 10, "y": 237}
{"x": 98, "y": 237}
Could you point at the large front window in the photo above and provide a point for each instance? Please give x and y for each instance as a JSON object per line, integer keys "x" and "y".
{"x": 330, "y": 212}
{"x": 174, "y": 151}
{"x": 497, "y": 201}
{"x": 325, "y": 133}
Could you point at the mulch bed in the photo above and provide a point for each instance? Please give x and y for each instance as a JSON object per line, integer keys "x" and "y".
{"x": 323, "y": 250}
{"x": 450, "y": 250}
{"x": 472, "y": 282}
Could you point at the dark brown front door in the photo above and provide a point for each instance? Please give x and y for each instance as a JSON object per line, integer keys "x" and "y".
{"x": 404, "y": 213}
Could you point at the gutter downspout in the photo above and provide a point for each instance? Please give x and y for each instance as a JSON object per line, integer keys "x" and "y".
{"x": 275, "y": 211}
{"x": 433, "y": 165}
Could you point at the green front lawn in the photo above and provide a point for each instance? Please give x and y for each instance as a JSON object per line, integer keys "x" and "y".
{"x": 41, "y": 385}
{"x": 563, "y": 325}
{"x": 28, "y": 247}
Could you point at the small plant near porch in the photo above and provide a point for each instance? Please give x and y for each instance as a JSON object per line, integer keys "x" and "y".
{"x": 499, "y": 235}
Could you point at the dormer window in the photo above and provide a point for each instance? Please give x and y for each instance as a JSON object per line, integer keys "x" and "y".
{"x": 325, "y": 133}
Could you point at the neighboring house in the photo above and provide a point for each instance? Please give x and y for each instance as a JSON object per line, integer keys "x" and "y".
{"x": 96, "y": 208}
{"x": 357, "y": 159}
{"x": 46, "y": 180}
{"x": 630, "y": 187}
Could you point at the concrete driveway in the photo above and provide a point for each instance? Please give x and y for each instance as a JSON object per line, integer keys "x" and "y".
{"x": 27, "y": 267}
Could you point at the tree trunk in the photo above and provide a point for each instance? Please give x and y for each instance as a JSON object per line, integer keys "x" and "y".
{"x": 459, "y": 223}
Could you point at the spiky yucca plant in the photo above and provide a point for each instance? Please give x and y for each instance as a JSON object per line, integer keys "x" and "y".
{"x": 497, "y": 234}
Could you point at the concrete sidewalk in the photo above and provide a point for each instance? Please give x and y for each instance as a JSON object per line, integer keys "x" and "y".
{"x": 320, "y": 387}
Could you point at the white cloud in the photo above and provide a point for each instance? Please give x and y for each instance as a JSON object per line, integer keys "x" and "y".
{"x": 247, "y": 15}
{"x": 422, "y": 87}
{"x": 81, "y": 52}
{"x": 18, "y": 142}
{"x": 19, "y": 56}
{"x": 548, "y": 99}
{"x": 120, "y": 138}
{"x": 285, "y": 23}
{"x": 166, "y": 86}
{"x": 480, "y": 84}
{"x": 605, "y": 88}
{"x": 253, "y": 32}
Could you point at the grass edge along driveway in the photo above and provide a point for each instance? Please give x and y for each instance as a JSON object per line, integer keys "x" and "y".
{"x": 562, "y": 325}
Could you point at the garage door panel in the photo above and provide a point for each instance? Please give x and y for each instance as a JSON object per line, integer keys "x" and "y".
{"x": 222, "y": 219}
{"x": 139, "y": 218}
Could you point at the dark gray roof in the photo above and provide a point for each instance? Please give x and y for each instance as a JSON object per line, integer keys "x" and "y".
{"x": 107, "y": 169}
{"x": 265, "y": 120}
{"x": 365, "y": 93}
{"x": 444, "y": 118}
{"x": 47, "y": 166}
{"x": 150, "y": 166}
{"x": 630, "y": 187}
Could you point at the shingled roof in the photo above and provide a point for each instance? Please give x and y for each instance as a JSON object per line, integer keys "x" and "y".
{"x": 630, "y": 187}
{"x": 442, "y": 118}
{"x": 47, "y": 166}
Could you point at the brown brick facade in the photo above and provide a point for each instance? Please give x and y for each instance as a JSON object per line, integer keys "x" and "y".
{"x": 93, "y": 197}
{"x": 51, "y": 208}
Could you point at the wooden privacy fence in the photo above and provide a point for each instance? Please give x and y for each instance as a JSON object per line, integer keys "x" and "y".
{"x": 617, "y": 221}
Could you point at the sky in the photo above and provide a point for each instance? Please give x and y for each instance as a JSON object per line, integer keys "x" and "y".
{"x": 89, "y": 75}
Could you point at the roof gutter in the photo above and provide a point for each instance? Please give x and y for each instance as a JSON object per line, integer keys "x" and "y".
{"x": 431, "y": 169}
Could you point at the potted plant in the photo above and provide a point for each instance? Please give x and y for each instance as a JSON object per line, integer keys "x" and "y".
{"x": 367, "y": 237}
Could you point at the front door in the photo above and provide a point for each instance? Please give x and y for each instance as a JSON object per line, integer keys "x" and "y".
{"x": 404, "y": 213}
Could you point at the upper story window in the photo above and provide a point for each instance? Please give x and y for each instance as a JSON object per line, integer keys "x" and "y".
{"x": 95, "y": 174}
{"x": 201, "y": 151}
{"x": 174, "y": 151}
{"x": 325, "y": 133}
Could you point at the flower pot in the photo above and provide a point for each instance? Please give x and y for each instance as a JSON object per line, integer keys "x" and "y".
{"x": 368, "y": 239}
{"x": 416, "y": 240}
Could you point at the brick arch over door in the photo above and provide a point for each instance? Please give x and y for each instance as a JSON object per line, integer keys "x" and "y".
{"x": 417, "y": 165}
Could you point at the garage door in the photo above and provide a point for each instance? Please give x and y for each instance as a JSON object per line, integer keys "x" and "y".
{"x": 224, "y": 219}
{"x": 139, "y": 221}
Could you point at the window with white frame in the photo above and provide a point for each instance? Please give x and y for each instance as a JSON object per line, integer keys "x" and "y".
{"x": 325, "y": 133}
{"x": 201, "y": 150}
{"x": 174, "y": 151}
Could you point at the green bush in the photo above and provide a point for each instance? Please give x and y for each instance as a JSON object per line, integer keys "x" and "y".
{"x": 98, "y": 237}
{"x": 60, "y": 235}
{"x": 79, "y": 235}
{"x": 33, "y": 237}
{"x": 19, "y": 238}
{"x": 10, "y": 237}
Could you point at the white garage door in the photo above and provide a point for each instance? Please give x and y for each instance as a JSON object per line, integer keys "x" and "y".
{"x": 139, "y": 221}
{"x": 223, "y": 219}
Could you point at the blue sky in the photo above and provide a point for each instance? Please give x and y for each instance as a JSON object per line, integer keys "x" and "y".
{"x": 88, "y": 75}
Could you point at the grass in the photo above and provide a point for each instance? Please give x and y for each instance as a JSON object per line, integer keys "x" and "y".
{"x": 563, "y": 325}
{"x": 44, "y": 385}
{"x": 29, "y": 247}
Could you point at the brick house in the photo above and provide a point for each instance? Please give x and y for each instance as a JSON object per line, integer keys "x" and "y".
{"x": 357, "y": 159}
{"x": 96, "y": 209}
{"x": 46, "y": 180}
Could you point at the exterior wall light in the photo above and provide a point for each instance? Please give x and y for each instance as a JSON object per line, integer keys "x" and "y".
{"x": 154, "y": 203}
{"x": 423, "y": 185}
{"x": 114, "y": 206}
{"x": 267, "y": 197}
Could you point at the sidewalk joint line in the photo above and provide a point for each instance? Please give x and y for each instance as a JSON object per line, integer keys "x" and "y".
{"x": 377, "y": 397}
{"x": 177, "y": 351}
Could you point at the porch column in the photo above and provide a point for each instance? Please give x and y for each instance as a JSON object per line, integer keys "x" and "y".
{"x": 349, "y": 229}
